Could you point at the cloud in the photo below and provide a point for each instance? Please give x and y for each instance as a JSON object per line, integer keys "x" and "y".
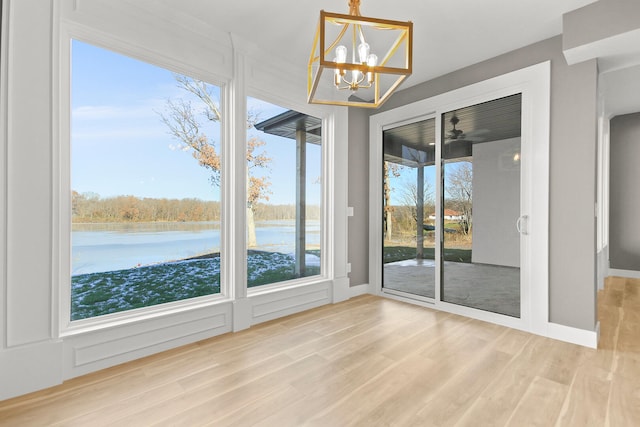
{"x": 146, "y": 109}
{"x": 117, "y": 133}
{"x": 265, "y": 109}
{"x": 180, "y": 147}
{"x": 139, "y": 121}
{"x": 90, "y": 112}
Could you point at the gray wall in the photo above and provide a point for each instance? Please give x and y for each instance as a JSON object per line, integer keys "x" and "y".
{"x": 624, "y": 193}
{"x": 600, "y": 20}
{"x": 358, "y": 198}
{"x": 496, "y": 203}
{"x": 572, "y": 288}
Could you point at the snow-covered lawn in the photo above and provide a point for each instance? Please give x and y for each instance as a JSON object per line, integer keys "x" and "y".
{"x": 97, "y": 294}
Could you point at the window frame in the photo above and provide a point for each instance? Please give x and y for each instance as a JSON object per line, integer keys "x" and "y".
{"x": 326, "y": 254}
{"x": 234, "y": 91}
{"x": 61, "y": 258}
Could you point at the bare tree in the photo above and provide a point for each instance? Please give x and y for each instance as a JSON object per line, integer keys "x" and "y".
{"x": 389, "y": 169}
{"x": 184, "y": 123}
{"x": 410, "y": 197}
{"x": 417, "y": 197}
{"x": 459, "y": 187}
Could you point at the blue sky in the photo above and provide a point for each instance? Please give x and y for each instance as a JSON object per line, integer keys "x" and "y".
{"x": 121, "y": 147}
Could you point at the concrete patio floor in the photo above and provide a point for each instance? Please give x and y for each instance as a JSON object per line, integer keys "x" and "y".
{"x": 486, "y": 287}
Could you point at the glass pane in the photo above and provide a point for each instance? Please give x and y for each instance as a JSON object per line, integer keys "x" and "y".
{"x": 284, "y": 162}
{"x": 481, "y": 205}
{"x": 145, "y": 184}
{"x": 409, "y": 208}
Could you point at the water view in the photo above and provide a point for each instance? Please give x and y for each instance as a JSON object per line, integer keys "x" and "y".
{"x": 118, "y": 246}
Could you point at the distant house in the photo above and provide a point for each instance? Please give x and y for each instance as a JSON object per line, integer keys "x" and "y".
{"x": 449, "y": 214}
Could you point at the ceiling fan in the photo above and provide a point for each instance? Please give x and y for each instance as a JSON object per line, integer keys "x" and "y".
{"x": 455, "y": 134}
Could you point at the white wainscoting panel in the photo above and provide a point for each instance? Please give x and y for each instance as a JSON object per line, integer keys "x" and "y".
{"x": 283, "y": 302}
{"x": 88, "y": 352}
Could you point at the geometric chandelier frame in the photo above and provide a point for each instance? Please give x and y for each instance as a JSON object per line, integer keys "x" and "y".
{"x": 343, "y": 70}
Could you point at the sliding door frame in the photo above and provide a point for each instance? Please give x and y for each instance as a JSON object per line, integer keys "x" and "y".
{"x": 534, "y": 84}
{"x": 380, "y": 238}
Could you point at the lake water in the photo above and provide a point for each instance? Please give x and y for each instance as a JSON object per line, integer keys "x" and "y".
{"x": 109, "y": 247}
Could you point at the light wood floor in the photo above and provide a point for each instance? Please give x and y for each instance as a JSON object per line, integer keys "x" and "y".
{"x": 371, "y": 362}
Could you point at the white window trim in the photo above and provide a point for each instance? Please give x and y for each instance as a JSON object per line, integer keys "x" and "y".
{"x": 325, "y": 200}
{"x": 233, "y": 251}
{"x": 62, "y": 172}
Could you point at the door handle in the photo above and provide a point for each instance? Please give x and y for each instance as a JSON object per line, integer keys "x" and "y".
{"x": 521, "y": 224}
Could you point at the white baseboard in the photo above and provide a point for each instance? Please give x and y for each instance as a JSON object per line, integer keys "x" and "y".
{"x": 550, "y": 330}
{"x": 602, "y": 263}
{"x": 242, "y": 312}
{"x": 31, "y": 367}
{"x": 355, "y": 291}
{"x": 574, "y": 335}
{"x": 341, "y": 289}
{"x": 631, "y": 274}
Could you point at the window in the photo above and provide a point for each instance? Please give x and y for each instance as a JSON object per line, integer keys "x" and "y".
{"x": 284, "y": 163}
{"x": 145, "y": 183}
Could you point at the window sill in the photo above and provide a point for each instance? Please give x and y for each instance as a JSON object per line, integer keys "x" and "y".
{"x": 282, "y": 286}
{"x": 84, "y": 326}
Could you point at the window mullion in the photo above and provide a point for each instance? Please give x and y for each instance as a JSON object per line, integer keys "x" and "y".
{"x": 234, "y": 241}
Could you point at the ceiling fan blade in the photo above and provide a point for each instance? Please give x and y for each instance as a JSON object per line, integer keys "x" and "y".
{"x": 478, "y": 132}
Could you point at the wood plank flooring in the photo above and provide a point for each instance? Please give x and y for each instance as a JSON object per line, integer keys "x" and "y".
{"x": 367, "y": 362}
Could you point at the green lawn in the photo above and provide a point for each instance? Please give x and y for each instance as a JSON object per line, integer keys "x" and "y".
{"x": 400, "y": 253}
{"x": 97, "y": 294}
{"x": 272, "y": 267}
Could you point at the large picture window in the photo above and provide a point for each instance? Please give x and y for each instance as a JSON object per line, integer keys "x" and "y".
{"x": 284, "y": 187}
{"x": 145, "y": 184}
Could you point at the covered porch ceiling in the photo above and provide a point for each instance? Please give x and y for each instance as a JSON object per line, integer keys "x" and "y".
{"x": 414, "y": 144}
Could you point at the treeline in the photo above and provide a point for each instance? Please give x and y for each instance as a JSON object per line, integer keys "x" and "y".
{"x": 264, "y": 212}
{"x": 90, "y": 207}
{"x": 404, "y": 217}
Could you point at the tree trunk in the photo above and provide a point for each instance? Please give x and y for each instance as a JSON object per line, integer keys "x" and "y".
{"x": 387, "y": 203}
{"x": 251, "y": 229}
{"x": 420, "y": 213}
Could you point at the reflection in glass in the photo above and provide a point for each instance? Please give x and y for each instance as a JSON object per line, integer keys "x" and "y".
{"x": 409, "y": 208}
{"x": 284, "y": 163}
{"x": 481, "y": 153}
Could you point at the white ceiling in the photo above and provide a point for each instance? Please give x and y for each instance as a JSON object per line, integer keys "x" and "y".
{"x": 448, "y": 35}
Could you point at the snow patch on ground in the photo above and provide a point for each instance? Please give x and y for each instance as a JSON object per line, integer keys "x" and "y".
{"x": 96, "y": 294}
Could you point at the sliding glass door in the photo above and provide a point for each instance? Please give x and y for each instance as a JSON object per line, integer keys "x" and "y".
{"x": 480, "y": 216}
{"x": 462, "y": 196}
{"x": 409, "y": 236}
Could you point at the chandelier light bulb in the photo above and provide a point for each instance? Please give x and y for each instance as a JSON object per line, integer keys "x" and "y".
{"x": 355, "y": 77}
{"x": 363, "y": 52}
{"x": 341, "y": 54}
{"x": 337, "y": 76}
{"x": 372, "y": 61}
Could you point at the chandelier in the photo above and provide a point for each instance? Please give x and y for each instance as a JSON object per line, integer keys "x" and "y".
{"x": 358, "y": 61}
